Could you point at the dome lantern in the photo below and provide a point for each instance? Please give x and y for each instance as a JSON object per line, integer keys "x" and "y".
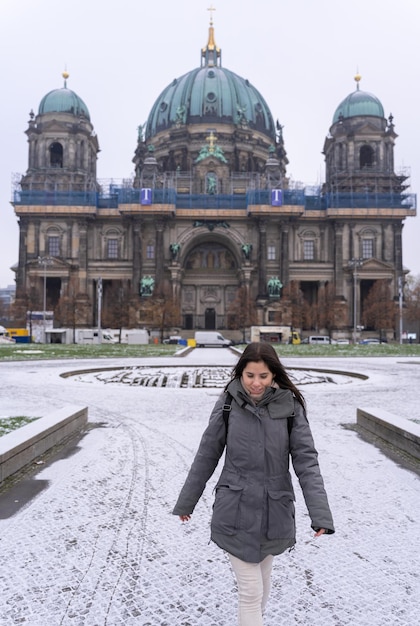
{"x": 358, "y": 103}
{"x": 63, "y": 100}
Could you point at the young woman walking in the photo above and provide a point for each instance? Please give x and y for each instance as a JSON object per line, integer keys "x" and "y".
{"x": 261, "y": 419}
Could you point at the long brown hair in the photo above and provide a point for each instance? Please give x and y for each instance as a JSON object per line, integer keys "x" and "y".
{"x": 256, "y": 352}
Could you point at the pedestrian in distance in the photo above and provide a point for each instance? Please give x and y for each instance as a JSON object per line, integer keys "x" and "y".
{"x": 261, "y": 420}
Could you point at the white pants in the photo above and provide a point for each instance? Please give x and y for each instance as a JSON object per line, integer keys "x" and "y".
{"x": 254, "y": 583}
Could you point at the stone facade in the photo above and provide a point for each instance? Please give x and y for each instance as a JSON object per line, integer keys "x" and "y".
{"x": 209, "y": 222}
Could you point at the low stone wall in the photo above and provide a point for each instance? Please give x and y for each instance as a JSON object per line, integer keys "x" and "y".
{"x": 397, "y": 431}
{"x": 24, "y": 445}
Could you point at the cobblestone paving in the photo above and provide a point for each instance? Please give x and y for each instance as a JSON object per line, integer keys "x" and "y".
{"x": 98, "y": 545}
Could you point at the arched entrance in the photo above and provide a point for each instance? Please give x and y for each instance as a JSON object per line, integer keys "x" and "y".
{"x": 210, "y": 319}
{"x": 209, "y": 285}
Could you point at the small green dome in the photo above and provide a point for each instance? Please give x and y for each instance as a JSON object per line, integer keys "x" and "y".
{"x": 359, "y": 103}
{"x": 210, "y": 94}
{"x": 63, "y": 100}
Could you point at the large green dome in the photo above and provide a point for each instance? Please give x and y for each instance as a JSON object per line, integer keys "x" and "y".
{"x": 359, "y": 103}
{"x": 210, "y": 94}
{"x": 63, "y": 100}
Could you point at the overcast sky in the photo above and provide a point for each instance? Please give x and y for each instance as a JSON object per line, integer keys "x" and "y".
{"x": 302, "y": 56}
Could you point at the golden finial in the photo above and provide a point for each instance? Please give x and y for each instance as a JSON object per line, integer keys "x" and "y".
{"x": 211, "y": 9}
{"x": 358, "y": 78}
{"x": 211, "y": 52}
{"x": 65, "y": 75}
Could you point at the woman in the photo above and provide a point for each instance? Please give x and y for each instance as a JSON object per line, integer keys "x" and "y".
{"x": 253, "y": 515}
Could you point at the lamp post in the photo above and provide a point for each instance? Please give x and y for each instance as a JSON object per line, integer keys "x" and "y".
{"x": 355, "y": 264}
{"x": 400, "y": 305}
{"x": 44, "y": 261}
{"x": 99, "y": 289}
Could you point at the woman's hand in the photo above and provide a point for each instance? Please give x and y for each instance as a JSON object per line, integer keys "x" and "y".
{"x": 320, "y": 532}
{"x": 185, "y": 518}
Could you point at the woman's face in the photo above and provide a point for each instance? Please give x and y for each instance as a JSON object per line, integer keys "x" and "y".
{"x": 256, "y": 377}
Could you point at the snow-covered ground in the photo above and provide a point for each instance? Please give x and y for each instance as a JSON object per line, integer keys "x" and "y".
{"x": 97, "y": 544}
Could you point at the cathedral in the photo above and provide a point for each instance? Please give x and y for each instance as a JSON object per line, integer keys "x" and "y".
{"x": 208, "y": 233}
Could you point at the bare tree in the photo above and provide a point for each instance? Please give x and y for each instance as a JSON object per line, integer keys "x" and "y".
{"x": 66, "y": 313}
{"x": 116, "y": 311}
{"x": 412, "y": 302}
{"x": 163, "y": 311}
{"x": 242, "y": 311}
{"x": 293, "y": 293}
{"x": 328, "y": 309}
{"x": 379, "y": 310}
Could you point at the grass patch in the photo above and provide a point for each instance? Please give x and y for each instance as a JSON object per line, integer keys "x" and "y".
{"x": 8, "y": 424}
{"x": 39, "y": 351}
{"x": 384, "y": 349}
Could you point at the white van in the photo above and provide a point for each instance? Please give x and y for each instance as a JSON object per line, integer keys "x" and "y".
{"x": 319, "y": 339}
{"x": 210, "y": 338}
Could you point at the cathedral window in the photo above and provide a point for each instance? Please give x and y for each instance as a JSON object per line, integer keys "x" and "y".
{"x": 112, "y": 248}
{"x": 309, "y": 250}
{"x": 210, "y": 256}
{"x": 56, "y": 155}
{"x": 271, "y": 253}
{"x": 367, "y": 248}
{"x": 366, "y": 156}
{"x": 53, "y": 245}
{"x": 150, "y": 251}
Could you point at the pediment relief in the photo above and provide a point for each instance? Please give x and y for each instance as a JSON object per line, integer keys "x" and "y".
{"x": 210, "y": 295}
{"x": 375, "y": 265}
{"x": 55, "y": 264}
{"x": 367, "y": 128}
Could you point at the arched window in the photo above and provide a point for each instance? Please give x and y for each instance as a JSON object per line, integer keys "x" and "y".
{"x": 56, "y": 155}
{"x": 53, "y": 242}
{"x": 366, "y": 156}
{"x": 112, "y": 244}
{"x": 368, "y": 243}
{"x": 309, "y": 240}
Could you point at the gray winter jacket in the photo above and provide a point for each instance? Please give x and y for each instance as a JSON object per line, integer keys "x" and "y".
{"x": 254, "y": 503}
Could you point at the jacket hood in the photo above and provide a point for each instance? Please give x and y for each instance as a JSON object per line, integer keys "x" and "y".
{"x": 279, "y": 402}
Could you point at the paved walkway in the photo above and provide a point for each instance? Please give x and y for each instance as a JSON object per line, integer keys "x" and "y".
{"x": 92, "y": 542}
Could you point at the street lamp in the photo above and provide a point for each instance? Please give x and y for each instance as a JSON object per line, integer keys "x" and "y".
{"x": 400, "y": 305}
{"x": 44, "y": 261}
{"x": 354, "y": 264}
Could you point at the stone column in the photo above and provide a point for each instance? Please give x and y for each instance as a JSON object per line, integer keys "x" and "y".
{"x": 176, "y": 279}
{"x": 284, "y": 255}
{"x": 262, "y": 259}
{"x": 137, "y": 255}
{"x": 83, "y": 261}
{"x": 382, "y": 253}
{"x": 23, "y": 258}
{"x": 338, "y": 260}
{"x": 69, "y": 248}
{"x": 37, "y": 246}
{"x": 398, "y": 246}
{"x": 159, "y": 256}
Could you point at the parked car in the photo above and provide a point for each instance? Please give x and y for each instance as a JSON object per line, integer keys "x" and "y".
{"x": 319, "y": 339}
{"x": 343, "y": 342}
{"x": 372, "y": 341}
{"x": 173, "y": 339}
{"x": 211, "y": 338}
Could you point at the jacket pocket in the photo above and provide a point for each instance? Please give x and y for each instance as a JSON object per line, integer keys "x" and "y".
{"x": 226, "y": 509}
{"x": 281, "y": 514}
